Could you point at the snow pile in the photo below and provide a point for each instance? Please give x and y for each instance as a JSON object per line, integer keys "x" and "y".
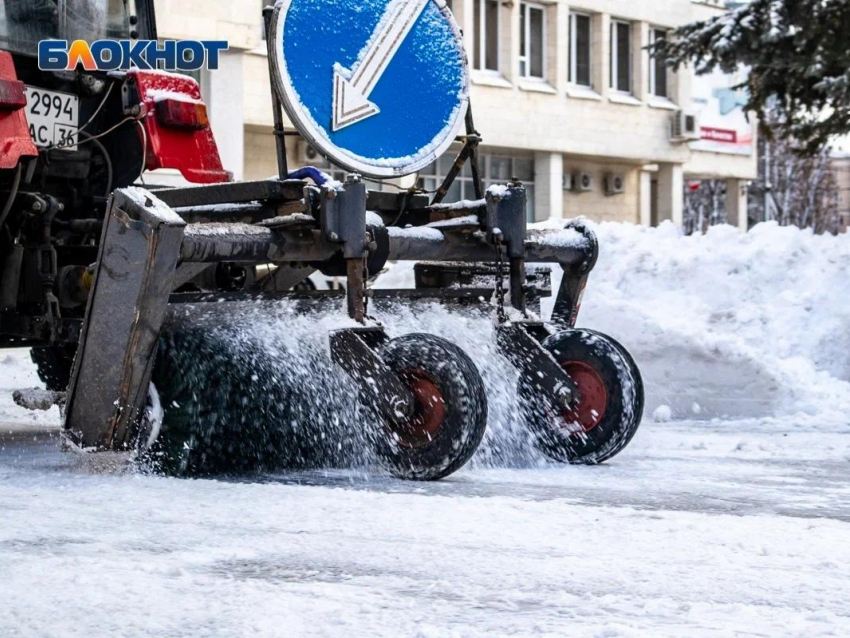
{"x": 498, "y": 190}
{"x": 725, "y": 324}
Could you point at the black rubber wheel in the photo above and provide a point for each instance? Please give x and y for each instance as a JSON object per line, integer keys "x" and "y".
{"x": 611, "y": 405}
{"x": 53, "y": 364}
{"x": 451, "y": 409}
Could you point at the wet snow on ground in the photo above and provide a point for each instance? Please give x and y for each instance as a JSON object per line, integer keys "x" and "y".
{"x": 729, "y": 515}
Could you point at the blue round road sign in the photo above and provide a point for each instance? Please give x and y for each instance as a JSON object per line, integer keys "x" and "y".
{"x": 377, "y": 86}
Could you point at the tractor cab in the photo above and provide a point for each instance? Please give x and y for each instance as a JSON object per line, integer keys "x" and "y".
{"x": 100, "y": 130}
{"x": 24, "y": 23}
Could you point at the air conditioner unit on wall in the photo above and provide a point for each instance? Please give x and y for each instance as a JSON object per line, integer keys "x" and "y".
{"x": 583, "y": 182}
{"x": 685, "y": 127}
{"x": 569, "y": 182}
{"x": 307, "y": 154}
{"x": 615, "y": 184}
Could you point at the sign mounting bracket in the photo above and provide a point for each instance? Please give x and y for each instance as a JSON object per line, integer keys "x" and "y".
{"x": 468, "y": 153}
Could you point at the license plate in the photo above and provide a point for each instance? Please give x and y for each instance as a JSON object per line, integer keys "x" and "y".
{"x": 54, "y": 118}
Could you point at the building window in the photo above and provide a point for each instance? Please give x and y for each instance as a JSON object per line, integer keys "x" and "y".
{"x": 657, "y": 68}
{"x": 532, "y": 40}
{"x": 580, "y": 49}
{"x": 487, "y": 35}
{"x": 621, "y": 56}
{"x": 495, "y": 169}
{"x": 431, "y": 177}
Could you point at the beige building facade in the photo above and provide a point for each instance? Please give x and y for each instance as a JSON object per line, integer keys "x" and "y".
{"x": 564, "y": 93}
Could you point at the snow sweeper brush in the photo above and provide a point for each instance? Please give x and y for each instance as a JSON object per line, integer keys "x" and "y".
{"x": 381, "y": 91}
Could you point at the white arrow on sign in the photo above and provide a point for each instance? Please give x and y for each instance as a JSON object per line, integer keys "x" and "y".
{"x": 353, "y": 88}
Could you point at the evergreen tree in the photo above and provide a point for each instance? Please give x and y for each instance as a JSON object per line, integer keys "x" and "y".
{"x": 798, "y": 56}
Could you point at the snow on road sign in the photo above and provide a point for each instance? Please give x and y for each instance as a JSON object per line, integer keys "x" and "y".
{"x": 377, "y": 86}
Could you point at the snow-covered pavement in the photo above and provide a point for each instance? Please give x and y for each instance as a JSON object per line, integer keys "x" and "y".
{"x": 693, "y": 531}
{"x": 729, "y": 514}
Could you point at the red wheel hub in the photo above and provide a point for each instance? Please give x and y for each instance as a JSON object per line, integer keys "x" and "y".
{"x": 428, "y": 415}
{"x": 593, "y": 397}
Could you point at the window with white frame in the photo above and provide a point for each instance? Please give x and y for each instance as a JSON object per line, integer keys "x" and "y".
{"x": 658, "y": 71}
{"x": 580, "y": 49}
{"x": 495, "y": 169}
{"x": 532, "y": 40}
{"x": 621, "y": 56}
{"x": 487, "y": 24}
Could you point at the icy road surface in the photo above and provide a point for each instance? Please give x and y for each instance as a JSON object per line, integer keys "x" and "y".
{"x": 729, "y": 515}
{"x": 699, "y": 529}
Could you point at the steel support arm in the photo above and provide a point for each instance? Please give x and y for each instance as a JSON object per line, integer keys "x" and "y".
{"x": 209, "y": 243}
{"x": 138, "y": 257}
{"x": 418, "y": 244}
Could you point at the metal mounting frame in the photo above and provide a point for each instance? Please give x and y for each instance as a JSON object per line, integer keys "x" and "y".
{"x": 469, "y": 152}
{"x": 277, "y": 105}
{"x": 522, "y": 343}
{"x": 354, "y": 350}
{"x": 343, "y": 221}
{"x": 144, "y": 241}
{"x": 574, "y": 280}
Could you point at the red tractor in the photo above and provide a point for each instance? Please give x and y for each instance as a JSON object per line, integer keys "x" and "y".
{"x": 67, "y": 140}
